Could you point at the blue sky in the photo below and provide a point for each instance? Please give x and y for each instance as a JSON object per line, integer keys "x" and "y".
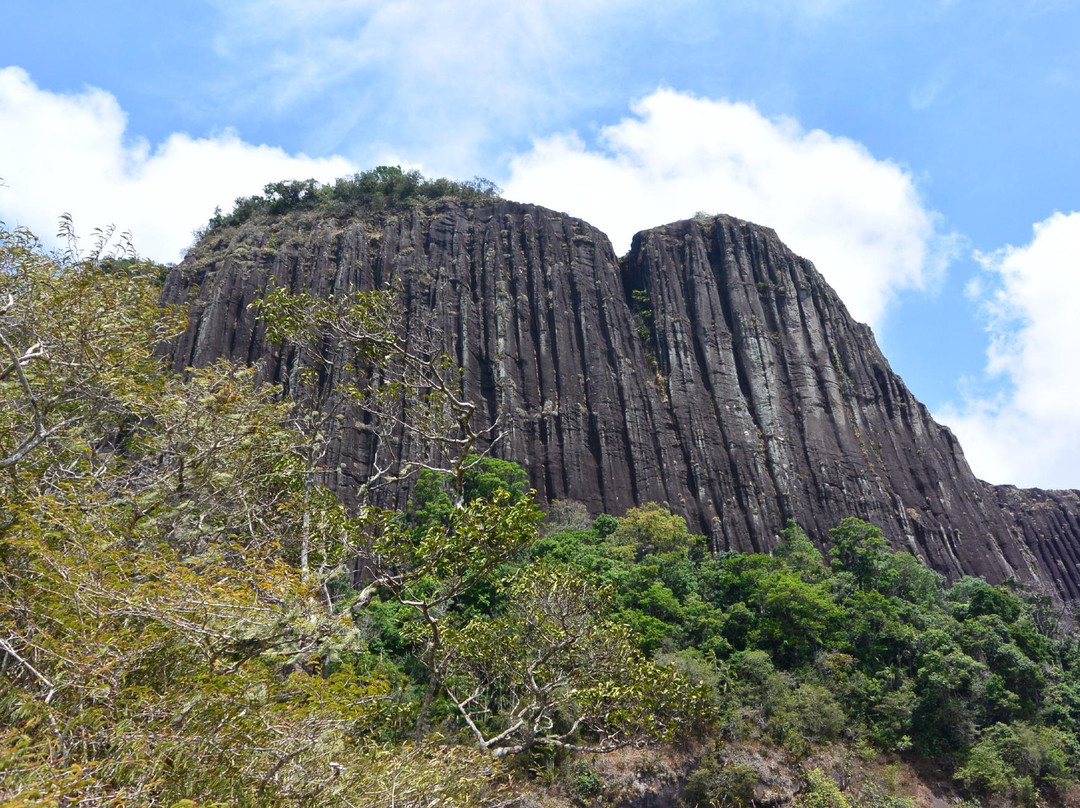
{"x": 923, "y": 154}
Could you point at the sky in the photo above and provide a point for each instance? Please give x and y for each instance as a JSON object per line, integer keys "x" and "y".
{"x": 923, "y": 154}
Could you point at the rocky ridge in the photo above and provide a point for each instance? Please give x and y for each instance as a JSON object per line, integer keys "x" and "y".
{"x": 711, "y": 369}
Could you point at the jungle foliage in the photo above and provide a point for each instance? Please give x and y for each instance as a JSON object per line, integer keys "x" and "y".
{"x": 859, "y": 645}
{"x": 182, "y": 621}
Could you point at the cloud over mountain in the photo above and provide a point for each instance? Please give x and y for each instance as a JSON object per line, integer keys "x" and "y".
{"x": 860, "y": 219}
{"x": 71, "y": 153}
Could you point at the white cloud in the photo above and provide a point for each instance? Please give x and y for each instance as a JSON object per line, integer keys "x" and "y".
{"x": 452, "y": 81}
{"x": 440, "y": 75}
{"x": 68, "y": 153}
{"x": 859, "y": 219}
{"x": 1030, "y": 297}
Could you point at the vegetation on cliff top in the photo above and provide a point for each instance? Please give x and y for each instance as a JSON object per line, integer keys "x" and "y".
{"x": 385, "y": 188}
{"x": 183, "y": 621}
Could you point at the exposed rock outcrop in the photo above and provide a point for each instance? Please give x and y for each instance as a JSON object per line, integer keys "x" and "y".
{"x": 711, "y": 369}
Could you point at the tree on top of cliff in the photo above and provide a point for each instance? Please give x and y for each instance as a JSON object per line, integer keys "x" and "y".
{"x": 382, "y": 188}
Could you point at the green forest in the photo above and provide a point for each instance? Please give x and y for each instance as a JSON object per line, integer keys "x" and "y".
{"x": 183, "y": 621}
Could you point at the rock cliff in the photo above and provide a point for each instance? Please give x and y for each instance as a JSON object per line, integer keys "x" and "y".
{"x": 710, "y": 368}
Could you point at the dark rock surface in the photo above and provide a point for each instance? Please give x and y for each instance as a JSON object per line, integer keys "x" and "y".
{"x": 711, "y": 369}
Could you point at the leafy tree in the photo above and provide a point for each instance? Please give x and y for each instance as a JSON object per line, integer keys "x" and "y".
{"x": 552, "y": 671}
{"x": 860, "y": 549}
{"x": 798, "y": 553}
{"x": 1012, "y": 760}
{"x": 427, "y": 575}
{"x": 434, "y": 497}
{"x": 795, "y": 619}
{"x": 907, "y": 578}
{"x": 77, "y": 345}
{"x": 652, "y": 529}
{"x": 974, "y": 597}
{"x": 159, "y": 642}
{"x": 605, "y": 525}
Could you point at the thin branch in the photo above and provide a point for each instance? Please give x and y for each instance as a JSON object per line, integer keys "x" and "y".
{"x": 36, "y": 440}
{"x": 272, "y": 774}
{"x": 9, "y": 649}
{"x": 40, "y": 433}
{"x": 18, "y": 364}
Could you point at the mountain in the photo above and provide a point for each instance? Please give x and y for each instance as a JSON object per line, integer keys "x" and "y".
{"x": 711, "y": 369}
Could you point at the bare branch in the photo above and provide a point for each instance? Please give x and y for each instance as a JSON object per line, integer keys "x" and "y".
{"x": 40, "y": 434}
{"x": 9, "y": 649}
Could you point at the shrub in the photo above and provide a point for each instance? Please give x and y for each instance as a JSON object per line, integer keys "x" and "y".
{"x": 730, "y": 785}
{"x": 808, "y": 714}
{"x": 383, "y": 188}
{"x": 821, "y": 792}
{"x": 586, "y": 784}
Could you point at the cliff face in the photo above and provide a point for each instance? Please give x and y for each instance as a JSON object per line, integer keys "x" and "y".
{"x": 711, "y": 369}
